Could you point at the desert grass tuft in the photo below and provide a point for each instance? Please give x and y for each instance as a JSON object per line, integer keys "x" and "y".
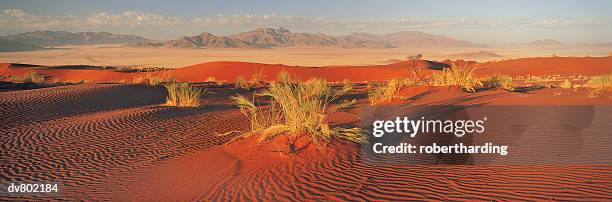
{"x": 388, "y": 91}
{"x": 456, "y": 76}
{"x": 566, "y": 84}
{"x": 298, "y": 109}
{"x": 30, "y": 77}
{"x": 242, "y": 83}
{"x": 258, "y": 79}
{"x": 183, "y": 95}
{"x": 499, "y": 81}
{"x": 602, "y": 83}
{"x": 153, "y": 79}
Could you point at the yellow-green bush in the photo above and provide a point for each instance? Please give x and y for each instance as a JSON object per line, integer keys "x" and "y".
{"x": 600, "y": 83}
{"x": 387, "y": 92}
{"x": 456, "y": 76}
{"x": 183, "y": 95}
{"x": 31, "y": 77}
{"x": 499, "y": 81}
{"x": 241, "y": 82}
{"x": 298, "y": 109}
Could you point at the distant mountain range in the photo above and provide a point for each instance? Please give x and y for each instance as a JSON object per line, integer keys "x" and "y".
{"x": 416, "y": 39}
{"x": 546, "y": 42}
{"x": 281, "y": 37}
{"x": 62, "y": 38}
{"x": 267, "y": 38}
{"x": 477, "y": 54}
{"x": 11, "y": 46}
{"x": 258, "y": 38}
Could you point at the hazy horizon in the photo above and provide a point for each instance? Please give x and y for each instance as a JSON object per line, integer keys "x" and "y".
{"x": 478, "y": 21}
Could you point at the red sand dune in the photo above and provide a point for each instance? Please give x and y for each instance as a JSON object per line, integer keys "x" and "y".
{"x": 550, "y": 65}
{"x": 229, "y": 71}
{"x": 119, "y": 142}
{"x": 116, "y": 142}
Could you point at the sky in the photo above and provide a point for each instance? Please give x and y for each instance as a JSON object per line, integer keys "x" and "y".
{"x": 480, "y": 21}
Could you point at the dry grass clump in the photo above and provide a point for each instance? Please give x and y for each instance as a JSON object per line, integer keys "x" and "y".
{"x": 183, "y": 95}
{"x": 153, "y": 79}
{"x": 544, "y": 81}
{"x": 566, "y": 84}
{"x": 215, "y": 81}
{"x": 298, "y": 109}
{"x": 497, "y": 81}
{"x": 416, "y": 70}
{"x": 599, "y": 84}
{"x": 456, "y": 76}
{"x": 387, "y": 92}
{"x": 258, "y": 79}
{"x": 31, "y": 77}
{"x": 241, "y": 82}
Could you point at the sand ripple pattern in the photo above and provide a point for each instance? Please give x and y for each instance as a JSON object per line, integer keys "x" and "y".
{"x": 347, "y": 177}
{"x": 79, "y": 142}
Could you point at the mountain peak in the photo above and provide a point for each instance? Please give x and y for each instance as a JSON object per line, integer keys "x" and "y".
{"x": 266, "y": 37}
{"x": 546, "y": 42}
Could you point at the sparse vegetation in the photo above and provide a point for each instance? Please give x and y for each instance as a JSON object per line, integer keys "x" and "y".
{"x": 183, "y": 95}
{"x": 499, "y": 81}
{"x": 566, "y": 84}
{"x": 30, "y": 77}
{"x": 416, "y": 70}
{"x": 284, "y": 77}
{"x": 241, "y": 82}
{"x": 456, "y": 76}
{"x": 601, "y": 83}
{"x": 258, "y": 79}
{"x": 215, "y": 81}
{"x": 387, "y": 92}
{"x": 153, "y": 79}
{"x": 298, "y": 109}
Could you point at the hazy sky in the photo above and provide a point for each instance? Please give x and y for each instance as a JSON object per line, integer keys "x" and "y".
{"x": 481, "y": 21}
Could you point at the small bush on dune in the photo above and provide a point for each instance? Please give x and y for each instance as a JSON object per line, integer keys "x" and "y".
{"x": 153, "y": 79}
{"x": 31, "y": 77}
{"x": 161, "y": 80}
{"x": 388, "y": 91}
{"x": 298, "y": 109}
{"x": 602, "y": 82}
{"x": 566, "y": 84}
{"x": 183, "y": 95}
{"x": 416, "y": 70}
{"x": 215, "y": 81}
{"x": 503, "y": 81}
{"x": 284, "y": 77}
{"x": 258, "y": 79}
{"x": 241, "y": 82}
{"x": 456, "y": 76}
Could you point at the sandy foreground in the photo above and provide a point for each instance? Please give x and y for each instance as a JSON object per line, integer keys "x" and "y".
{"x": 119, "y": 142}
